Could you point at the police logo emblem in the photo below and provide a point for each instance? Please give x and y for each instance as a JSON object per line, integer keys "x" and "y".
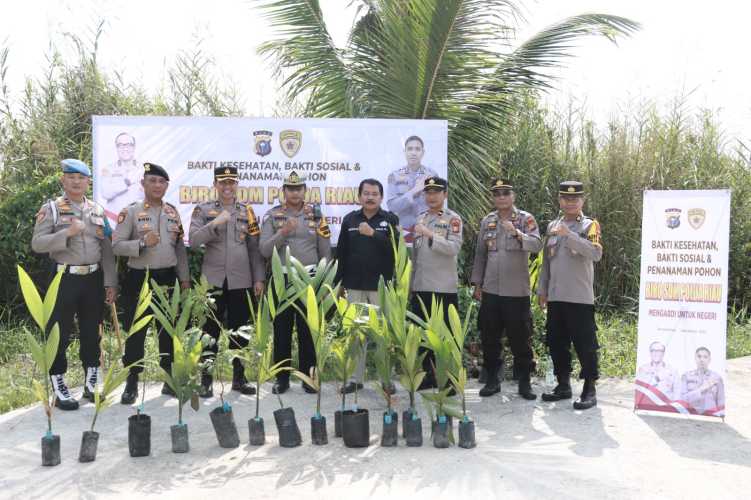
{"x": 696, "y": 217}
{"x": 262, "y": 142}
{"x": 290, "y": 141}
{"x": 673, "y": 217}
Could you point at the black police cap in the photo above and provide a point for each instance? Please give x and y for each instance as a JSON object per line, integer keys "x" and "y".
{"x": 154, "y": 169}
{"x": 571, "y": 188}
{"x": 224, "y": 173}
{"x": 435, "y": 182}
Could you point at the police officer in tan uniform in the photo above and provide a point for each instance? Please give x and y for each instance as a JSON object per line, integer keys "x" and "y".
{"x": 566, "y": 287}
{"x": 119, "y": 182}
{"x": 302, "y": 227}
{"x": 150, "y": 234}
{"x": 703, "y": 389}
{"x": 658, "y": 373}
{"x": 438, "y": 240}
{"x": 405, "y": 196}
{"x": 500, "y": 275}
{"x": 229, "y": 232}
{"x": 75, "y": 232}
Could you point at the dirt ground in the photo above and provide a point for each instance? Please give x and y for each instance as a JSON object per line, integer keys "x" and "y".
{"x": 524, "y": 450}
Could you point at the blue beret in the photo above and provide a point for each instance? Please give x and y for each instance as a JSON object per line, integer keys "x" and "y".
{"x": 73, "y": 166}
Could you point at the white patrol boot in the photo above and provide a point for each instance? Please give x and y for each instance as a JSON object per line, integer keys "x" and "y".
{"x": 63, "y": 398}
{"x": 91, "y": 383}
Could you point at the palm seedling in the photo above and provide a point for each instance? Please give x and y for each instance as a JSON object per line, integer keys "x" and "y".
{"x": 384, "y": 361}
{"x": 438, "y": 338}
{"x": 222, "y": 417}
{"x": 316, "y": 317}
{"x": 114, "y": 377}
{"x": 204, "y": 307}
{"x": 43, "y": 354}
{"x": 410, "y": 361}
{"x": 174, "y": 314}
{"x": 458, "y": 372}
{"x": 346, "y": 351}
{"x": 259, "y": 354}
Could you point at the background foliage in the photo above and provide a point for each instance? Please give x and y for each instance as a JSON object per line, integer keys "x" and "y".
{"x": 644, "y": 148}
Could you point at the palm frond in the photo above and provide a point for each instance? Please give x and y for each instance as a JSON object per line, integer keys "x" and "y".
{"x": 305, "y": 56}
{"x": 550, "y": 47}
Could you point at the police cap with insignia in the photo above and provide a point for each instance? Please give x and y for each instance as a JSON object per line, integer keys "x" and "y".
{"x": 436, "y": 183}
{"x": 571, "y": 188}
{"x": 73, "y": 166}
{"x": 500, "y": 183}
{"x": 154, "y": 169}
{"x": 224, "y": 173}
{"x": 294, "y": 180}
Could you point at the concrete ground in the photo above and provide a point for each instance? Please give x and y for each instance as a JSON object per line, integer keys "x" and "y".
{"x": 524, "y": 450}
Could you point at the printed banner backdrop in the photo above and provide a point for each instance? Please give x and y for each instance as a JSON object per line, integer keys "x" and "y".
{"x": 334, "y": 154}
{"x": 683, "y": 302}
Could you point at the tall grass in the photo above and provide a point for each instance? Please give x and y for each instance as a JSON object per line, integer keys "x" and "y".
{"x": 644, "y": 149}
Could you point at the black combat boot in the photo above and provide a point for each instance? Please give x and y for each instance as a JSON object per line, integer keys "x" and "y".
{"x": 492, "y": 384}
{"x": 588, "y": 399}
{"x": 525, "y": 386}
{"x": 207, "y": 384}
{"x": 483, "y": 378}
{"x": 131, "y": 389}
{"x": 561, "y": 391}
{"x": 239, "y": 382}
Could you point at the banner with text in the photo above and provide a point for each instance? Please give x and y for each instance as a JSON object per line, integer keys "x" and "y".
{"x": 683, "y": 302}
{"x": 334, "y": 155}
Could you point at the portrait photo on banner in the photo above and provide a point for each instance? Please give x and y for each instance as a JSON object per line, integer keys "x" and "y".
{"x": 331, "y": 155}
{"x": 683, "y": 302}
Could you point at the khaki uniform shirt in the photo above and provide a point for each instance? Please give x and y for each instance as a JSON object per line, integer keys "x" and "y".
{"x": 434, "y": 266}
{"x": 309, "y": 243}
{"x": 400, "y": 201}
{"x": 567, "y": 273}
{"x": 709, "y": 399}
{"x": 138, "y": 219}
{"x": 231, "y": 249}
{"x": 501, "y": 265}
{"x": 661, "y": 376}
{"x": 120, "y": 184}
{"x": 91, "y": 246}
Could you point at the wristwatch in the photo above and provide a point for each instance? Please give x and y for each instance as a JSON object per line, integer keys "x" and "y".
{"x": 142, "y": 243}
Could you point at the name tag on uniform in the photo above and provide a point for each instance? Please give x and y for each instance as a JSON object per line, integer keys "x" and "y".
{"x": 491, "y": 241}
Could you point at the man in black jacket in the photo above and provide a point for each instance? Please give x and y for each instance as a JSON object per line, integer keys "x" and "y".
{"x": 365, "y": 254}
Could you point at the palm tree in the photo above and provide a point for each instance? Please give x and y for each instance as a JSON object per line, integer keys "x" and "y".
{"x": 438, "y": 59}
